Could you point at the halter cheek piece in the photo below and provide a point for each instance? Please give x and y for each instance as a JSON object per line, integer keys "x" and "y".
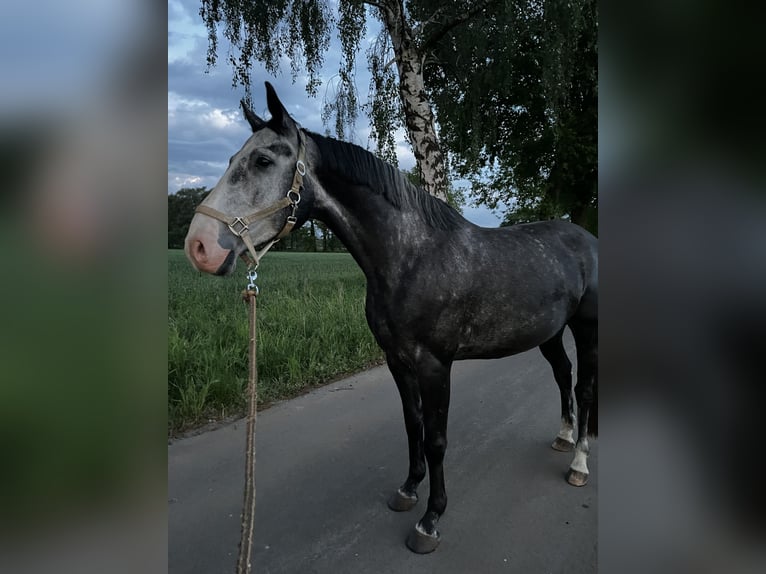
{"x": 240, "y": 225}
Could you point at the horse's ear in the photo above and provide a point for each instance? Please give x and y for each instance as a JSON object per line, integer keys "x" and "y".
{"x": 279, "y": 116}
{"x": 254, "y": 121}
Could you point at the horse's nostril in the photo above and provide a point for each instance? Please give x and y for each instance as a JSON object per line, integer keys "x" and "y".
{"x": 203, "y": 253}
{"x": 198, "y": 251}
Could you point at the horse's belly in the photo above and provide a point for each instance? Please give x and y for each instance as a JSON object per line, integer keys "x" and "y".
{"x": 494, "y": 338}
{"x": 493, "y": 350}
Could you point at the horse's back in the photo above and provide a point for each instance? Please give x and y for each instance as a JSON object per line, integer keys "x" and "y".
{"x": 486, "y": 293}
{"x": 554, "y": 250}
{"x": 534, "y": 278}
{"x": 556, "y": 234}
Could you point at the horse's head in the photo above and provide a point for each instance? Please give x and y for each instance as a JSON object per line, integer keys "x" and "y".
{"x": 256, "y": 199}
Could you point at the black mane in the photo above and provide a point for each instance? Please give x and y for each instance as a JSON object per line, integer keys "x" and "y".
{"x": 358, "y": 166}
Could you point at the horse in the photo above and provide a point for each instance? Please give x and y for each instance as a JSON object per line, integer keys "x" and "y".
{"x": 439, "y": 288}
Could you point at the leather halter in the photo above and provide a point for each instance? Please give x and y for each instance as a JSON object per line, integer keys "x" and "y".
{"x": 239, "y": 225}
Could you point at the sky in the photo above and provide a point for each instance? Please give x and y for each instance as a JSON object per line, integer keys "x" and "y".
{"x": 205, "y": 122}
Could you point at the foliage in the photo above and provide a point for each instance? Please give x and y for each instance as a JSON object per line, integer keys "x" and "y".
{"x": 311, "y": 329}
{"x": 513, "y": 84}
{"x": 298, "y": 30}
{"x": 181, "y": 206}
{"x": 301, "y": 239}
{"x": 344, "y": 106}
{"x": 301, "y": 29}
{"x": 519, "y": 116}
{"x": 313, "y": 236}
{"x": 384, "y": 107}
{"x": 266, "y": 31}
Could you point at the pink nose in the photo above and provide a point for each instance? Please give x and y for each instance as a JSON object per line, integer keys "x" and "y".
{"x": 207, "y": 258}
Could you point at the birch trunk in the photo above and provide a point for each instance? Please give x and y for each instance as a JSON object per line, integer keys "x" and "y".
{"x": 419, "y": 117}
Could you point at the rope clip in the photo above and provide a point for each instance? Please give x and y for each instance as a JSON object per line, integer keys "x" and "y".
{"x": 251, "y": 277}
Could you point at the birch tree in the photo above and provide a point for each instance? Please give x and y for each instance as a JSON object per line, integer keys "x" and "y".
{"x": 512, "y": 83}
{"x": 301, "y": 30}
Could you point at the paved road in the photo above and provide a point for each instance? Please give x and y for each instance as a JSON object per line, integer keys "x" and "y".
{"x": 327, "y": 461}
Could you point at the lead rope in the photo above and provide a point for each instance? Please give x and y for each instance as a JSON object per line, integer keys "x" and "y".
{"x": 248, "y": 510}
{"x": 239, "y": 227}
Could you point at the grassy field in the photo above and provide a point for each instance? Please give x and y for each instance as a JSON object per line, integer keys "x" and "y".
{"x": 311, "y": 329}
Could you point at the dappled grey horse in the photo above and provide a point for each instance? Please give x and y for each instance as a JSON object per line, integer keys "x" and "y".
{"x": 438, "y": 287}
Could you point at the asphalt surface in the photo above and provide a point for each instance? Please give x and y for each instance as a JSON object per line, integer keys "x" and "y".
{"x": 327, "y": 462}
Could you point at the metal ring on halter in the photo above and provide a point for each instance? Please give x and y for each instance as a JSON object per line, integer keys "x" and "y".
{"x": 297, "y": 199}
{"x": 300, "y": 167}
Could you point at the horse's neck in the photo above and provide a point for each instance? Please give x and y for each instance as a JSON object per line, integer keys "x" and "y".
{"x": 380, "y": 237}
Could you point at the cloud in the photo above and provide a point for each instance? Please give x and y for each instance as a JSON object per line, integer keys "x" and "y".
{"x": 219, "y": 119}
{"x": 201, "y": 138}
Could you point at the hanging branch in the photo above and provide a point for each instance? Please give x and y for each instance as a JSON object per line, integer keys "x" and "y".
{"x": 456, "y": 21}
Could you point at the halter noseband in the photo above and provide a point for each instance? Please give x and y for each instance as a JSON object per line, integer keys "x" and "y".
{"x": 239, "y": 225}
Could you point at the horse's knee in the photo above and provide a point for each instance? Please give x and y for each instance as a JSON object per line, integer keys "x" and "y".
{"x": 435, "y": 447}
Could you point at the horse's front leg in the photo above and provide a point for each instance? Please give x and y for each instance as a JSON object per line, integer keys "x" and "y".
{"x": 406, "y": 497}
{"x": 434, "y": 384}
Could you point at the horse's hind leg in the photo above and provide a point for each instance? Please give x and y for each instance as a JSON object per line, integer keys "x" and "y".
{"x": 406, "y": 497}
{"x": 554, "y": 353}
{"x": 586, "y": 337}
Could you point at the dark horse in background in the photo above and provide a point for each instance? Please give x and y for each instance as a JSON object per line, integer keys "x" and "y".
{"x": 438, "y": 287}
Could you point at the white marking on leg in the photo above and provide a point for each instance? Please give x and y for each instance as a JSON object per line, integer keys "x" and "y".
{"x": 580, "y": 462}
{"x": 567, "y": 431}
{"x": 405, "y": 495}
{"x": 422, "y": 531}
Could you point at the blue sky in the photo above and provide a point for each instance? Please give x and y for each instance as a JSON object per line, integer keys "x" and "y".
{"x": 205, "y": 123}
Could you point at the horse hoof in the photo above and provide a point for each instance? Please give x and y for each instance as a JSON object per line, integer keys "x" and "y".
{"x": 562, "y": 445}
{"x": 577, "y": 478}
{"x": 401, "y": 502}
{"x": 420, "y": 542}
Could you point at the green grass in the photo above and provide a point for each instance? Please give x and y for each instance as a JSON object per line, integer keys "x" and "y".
{"x": 311, "y": 329}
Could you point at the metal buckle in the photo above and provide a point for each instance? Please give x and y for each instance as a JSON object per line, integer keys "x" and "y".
{"x": 238, "y": 221}
{"x": 300, "y": 167}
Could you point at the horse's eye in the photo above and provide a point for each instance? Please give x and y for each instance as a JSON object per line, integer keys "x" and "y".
{"x": 263, "y": 161}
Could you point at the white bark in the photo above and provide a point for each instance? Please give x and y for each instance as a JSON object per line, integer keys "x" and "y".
{"x": 419, "y": 117}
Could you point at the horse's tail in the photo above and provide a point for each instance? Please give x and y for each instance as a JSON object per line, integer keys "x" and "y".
{"x": 593, "y": 412}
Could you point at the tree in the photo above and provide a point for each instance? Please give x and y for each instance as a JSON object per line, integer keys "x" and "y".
{"x": 300, "y": 29}
{"x": 520, "y": 116}
{"x": 513, "y": 82}
{"x": 181, "y": 206}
